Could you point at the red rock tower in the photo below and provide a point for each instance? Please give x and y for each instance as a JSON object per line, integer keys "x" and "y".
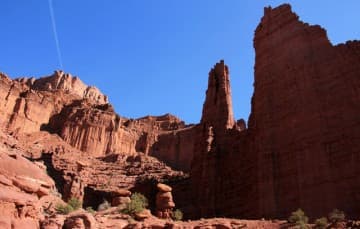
{"x": 217, "y": 109}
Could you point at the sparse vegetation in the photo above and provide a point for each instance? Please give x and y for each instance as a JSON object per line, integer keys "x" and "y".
{"x": 137, "y": 204}
{"x": 321, "y": 223}
{"x": 90, "y": 210}
{"x": 63, "y": 209}
{"x": 75, "y": 203}
{"x": 104, "y": 205}
{"x": 336, "y": 216}
{"x": 72, "y": 205}
{"x": 177, "y": 215}
{"x": 299, "y": 218}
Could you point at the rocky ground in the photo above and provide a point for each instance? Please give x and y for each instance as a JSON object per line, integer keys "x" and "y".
{"x": 29, "y": 196}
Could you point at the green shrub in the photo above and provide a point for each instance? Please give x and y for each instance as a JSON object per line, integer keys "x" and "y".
{"x": 63, "y": 209}
{"x": 321, "y": 223}
{"x": 302, "y": 225}
{"x": 104, "y": 205}
{"x": 137, "y": 204}
{"x": 177, "y": 215}
{"x": 299, "y": 218}
{"x": 90, "y": 210}
{"x": 75, "y": 203}
{"x": 336, "y": 216}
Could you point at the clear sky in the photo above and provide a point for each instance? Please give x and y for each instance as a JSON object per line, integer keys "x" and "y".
{"x": 152, "y": 56}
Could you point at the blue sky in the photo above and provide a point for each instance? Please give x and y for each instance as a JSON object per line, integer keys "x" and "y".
{"x": 153, "y": 56}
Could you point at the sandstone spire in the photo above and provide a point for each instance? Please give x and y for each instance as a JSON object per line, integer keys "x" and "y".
{"x": 217, "y": 109}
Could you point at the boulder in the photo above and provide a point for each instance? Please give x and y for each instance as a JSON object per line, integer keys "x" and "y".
{"x": 163, "y": 187}
{"x": 144, "y": 214}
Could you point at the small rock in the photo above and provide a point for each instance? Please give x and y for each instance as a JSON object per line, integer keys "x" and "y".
{"x": 144, "y": 214}
{"x": 121, "y": 192}
{"x": 164, "y": 187}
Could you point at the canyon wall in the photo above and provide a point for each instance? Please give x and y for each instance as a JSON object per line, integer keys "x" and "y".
{"x": 29, "y": 103}
{"x": 82, "y": 116}
{"x": 305, "y": 118}
{"x": 302, "y": 145}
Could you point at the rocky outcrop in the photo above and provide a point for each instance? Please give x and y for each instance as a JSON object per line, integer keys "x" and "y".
{"x": 98, "y": 130}
{"x": 176, "y": 147}
{"x": 164, "y": 201}
{"x": 304, "y": 115}
{"x": 65, "y": 82}
{"x": 216, "y": 138}
{"x": 29, "y": 104}
{"x": 25, "y": 189}
{"x": 301, "y": 147}
{"x": 82, "y": 116}
{"x": 217, "y": 110}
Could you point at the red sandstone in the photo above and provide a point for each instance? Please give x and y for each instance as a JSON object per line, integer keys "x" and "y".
{"x": 300, "y": 149}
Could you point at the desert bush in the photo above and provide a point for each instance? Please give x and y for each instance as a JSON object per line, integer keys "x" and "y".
{"x": 336, "y": 216}
{"x": 75, "y": 203}
{"x": 90, "y": 210}
{"x": 177, "y": 215}
{"x": 63, "y": 209}
{"x": 299, "y": 218}
{"x": 137, "y": 204}
{"x": 321, "y": 223}
{"x": 104, "y": 205}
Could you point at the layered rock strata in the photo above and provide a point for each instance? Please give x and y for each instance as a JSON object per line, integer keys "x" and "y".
{"x": 302, "y": 144}
{"x": 82, "y": 116}
{"x": 164, "y": 201}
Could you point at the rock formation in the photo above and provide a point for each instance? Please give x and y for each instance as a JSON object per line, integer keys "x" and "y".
{"x": 304, "y": 117}
{"x": 217, "y": 110}
{"x": 301, "y": 146}
{"x": 300, "y": 149}
{"x": 164, "y": 201}
{"x": 82, "y": 116}
{"x": 29, "y": 104}
{"x": 25, "y": 189}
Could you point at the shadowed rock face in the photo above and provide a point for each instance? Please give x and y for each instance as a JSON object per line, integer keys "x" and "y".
{"x": 217, "y": 110}
{"x": 301, "y": 148}
{"x": 305, "y": 117}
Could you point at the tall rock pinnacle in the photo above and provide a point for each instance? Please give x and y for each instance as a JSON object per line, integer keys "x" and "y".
{"x": 217, "y": 109}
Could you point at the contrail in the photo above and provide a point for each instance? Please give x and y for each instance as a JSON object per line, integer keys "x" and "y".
{"x": 55, "y": 33}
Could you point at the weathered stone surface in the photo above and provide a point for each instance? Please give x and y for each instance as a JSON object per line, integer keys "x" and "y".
{"x": 80, "y": 220}
{"x": 81, "y": 115}
{"x": 22, "y": 182}
{"x": 304, "y": 118}
{"x": 164, "y": 201}
{"x": 120, "y": 200}
{"x": 65, "y": 82}
{"x": 301, "y": 146}
{"x": 217, "y": 110}
{"x": 163, "y": 187}
{"x": 144, "y": 214}
{"x": 29, "y": 104}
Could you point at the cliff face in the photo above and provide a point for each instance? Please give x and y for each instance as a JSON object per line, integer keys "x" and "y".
{"x": 217, "y": 110}
{"x": 305, "y": 117}
{"x": 302, "y": 144}
{"x": 98, "y": 130}
{"x": 82, "y": 116}
{"x": 29, "y": 104}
